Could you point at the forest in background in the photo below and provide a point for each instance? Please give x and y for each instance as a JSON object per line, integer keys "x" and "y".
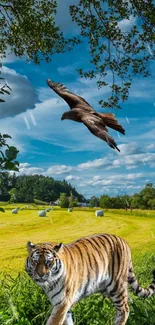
{"x": 37, "y": 188}
{"x": 31, "y": 188}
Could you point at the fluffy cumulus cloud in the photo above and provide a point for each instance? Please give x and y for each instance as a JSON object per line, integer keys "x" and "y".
{"x": 130, "y": 148}
{"x": 72, "y": 178}
{"x": 58, "y": 170}
{"x": 95, "y": 164}
{"x": 27, "y": 169}
{"x": 128, "y": 161}
{"x": 23, "y": 95}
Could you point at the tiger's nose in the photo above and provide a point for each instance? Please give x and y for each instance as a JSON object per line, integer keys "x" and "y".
{"x": 43, "y": 274}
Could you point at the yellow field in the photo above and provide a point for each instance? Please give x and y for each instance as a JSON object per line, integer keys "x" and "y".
{"x": 138, "y": 228}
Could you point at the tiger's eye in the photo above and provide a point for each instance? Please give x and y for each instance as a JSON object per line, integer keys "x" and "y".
{"x": 49, "y": 263}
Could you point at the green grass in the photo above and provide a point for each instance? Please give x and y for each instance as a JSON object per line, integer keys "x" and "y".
{"x": 23, "y": 303}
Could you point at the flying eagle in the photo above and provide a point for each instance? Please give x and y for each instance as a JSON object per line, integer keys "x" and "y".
{"x": 81, "y": 111}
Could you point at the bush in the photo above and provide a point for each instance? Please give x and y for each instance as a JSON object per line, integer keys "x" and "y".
{"x": 64, "y": 200}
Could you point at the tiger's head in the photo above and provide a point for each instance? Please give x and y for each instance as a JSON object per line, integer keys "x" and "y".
{"x": 43, "y": 262}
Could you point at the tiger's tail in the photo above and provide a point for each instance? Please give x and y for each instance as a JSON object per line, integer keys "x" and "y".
{"x": 110, "y": 121}
{"x": 141, "y": 292}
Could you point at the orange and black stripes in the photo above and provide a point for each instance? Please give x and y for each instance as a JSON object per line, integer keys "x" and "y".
{"x": 99, "y": 263}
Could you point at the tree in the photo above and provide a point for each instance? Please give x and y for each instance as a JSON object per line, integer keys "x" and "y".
{"x": 64, "y": 201}
{"x": 13, "y": 195}
{"x": 94, "y": 202}
{"x": 116, "y": 54}
{"x": 4, "y": 87}
{"x": 30, "y": 188}
{"x": 8, "y": 154}
{"x": 105, "y": 202}
{"x": 151, "y": 204}
{"x": 28, "y": 29}
{"x": 8, "y": 161}
{"x": 137, "y": 201}
{"x": 71, "y": 199}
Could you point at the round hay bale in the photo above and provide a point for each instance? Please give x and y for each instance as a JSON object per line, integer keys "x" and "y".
{"x": 99, "y": 213}
{"x": 15, "y": 211}
{"x": 48, "y": 210}
{"x": 70, "y": 210}
{"x": 42, "y": 213}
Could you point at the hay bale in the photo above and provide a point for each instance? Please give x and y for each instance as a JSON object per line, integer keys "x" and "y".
{"x": 70, "y": 210}
{"x": 15, "y": 211}
{"x": 42, "y": 213}
{"x": 99, "y": 213}
{"x": 48, "y": 210}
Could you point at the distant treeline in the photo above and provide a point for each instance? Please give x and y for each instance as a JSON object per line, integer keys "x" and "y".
{"x": 35, "y": 188}
{"x": 32, "y": 188}
{"x": 145, "y": 199}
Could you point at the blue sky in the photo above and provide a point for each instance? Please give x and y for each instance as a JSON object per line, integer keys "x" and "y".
{"x": 66, "y": 149}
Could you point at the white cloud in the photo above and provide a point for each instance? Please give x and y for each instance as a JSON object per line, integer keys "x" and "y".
{"x": 130, "y": 148}
{"x": 150, "y": 147}
{"x": 97, "y": 163}
{"x": 27, "y": 169}
{"x": 128, "y": 161}
{"x": 58, "y": 170}
{"x": 72, "y": 178}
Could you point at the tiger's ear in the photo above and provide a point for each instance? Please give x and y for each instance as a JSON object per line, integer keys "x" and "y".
{"x": 30, "y": 246}
{"x": 58, "y": 248}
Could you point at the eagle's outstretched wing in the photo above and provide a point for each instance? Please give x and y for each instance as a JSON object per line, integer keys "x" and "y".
{"x": 72, "y": 100}
{"x": 95, "y": 126}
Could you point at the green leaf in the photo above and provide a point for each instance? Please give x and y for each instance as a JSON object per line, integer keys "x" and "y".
{"x": 11, "y": 153}
{"x": 5, "y": 136}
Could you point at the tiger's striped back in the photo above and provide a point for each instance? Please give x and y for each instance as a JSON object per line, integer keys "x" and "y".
{"x": 67, "y": 273}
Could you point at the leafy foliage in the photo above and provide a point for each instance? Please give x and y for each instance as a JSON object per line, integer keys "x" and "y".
{"x": 8, "y": 161}
{"x": 4, "y": 87}
{"x": 7, "y": 155}
{"x": 28, "y": 29}
{"x": 94, "y": 202}
{"x": 116, "y": 53}
{"x": 64, "y": 201}
{"x": 142, "y": 200}
{"x": 33, "y": 188}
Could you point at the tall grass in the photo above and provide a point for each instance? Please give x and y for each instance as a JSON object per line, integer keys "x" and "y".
{"x": 22, "y": 302}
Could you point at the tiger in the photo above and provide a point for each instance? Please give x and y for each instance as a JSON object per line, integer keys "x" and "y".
{"x": 96, "y": 264}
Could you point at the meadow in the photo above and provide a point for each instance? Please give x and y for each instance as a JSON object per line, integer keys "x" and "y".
{"x": 23, "y": 303}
